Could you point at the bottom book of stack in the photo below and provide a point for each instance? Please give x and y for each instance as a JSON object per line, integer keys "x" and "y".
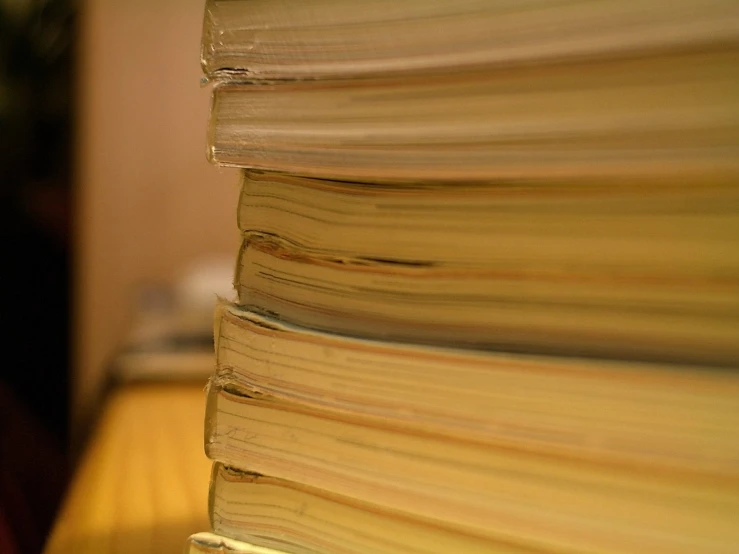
{"x": 210, "y": 543}
{"x": 334, "y": 444}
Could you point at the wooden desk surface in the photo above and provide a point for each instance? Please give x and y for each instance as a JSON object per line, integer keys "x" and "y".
{"x": 142, "y": 486}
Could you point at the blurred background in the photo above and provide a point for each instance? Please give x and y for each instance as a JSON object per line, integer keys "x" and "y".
{"x": 110, "y": 212}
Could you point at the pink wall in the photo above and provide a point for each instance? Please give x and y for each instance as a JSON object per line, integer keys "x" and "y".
{"x": 147, "y": 200}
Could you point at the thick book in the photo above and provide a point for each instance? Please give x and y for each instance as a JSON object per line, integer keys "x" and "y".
{"x": 297, "y": 518}
{"x": 646, "y": 271}
{"x": 638, "y": 414}
{"x": 489, "y": 445}
{"x": 583, "y": 119}
{"x": 293, "y": 39}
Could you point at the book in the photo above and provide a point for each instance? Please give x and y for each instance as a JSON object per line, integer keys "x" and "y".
{"x": 285, "y": 514}
{"x": 455, "y": 223}
{"x": 644, "y": 271}
{"x": 585, "y": 119}
{"x": 430, "y": 434}
{"x": 661, "y": 415}
{"x": 289, "y": 39}
{"x": 297, "y": 518}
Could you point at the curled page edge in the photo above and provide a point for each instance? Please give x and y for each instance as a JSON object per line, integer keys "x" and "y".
{"x": 210, "y": 543}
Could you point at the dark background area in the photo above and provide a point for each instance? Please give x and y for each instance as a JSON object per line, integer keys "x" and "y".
{"x": 36, "y": 152}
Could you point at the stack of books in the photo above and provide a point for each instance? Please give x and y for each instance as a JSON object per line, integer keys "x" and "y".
{"x": 488, "y": 291}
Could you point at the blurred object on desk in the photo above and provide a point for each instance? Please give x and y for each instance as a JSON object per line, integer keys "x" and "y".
{"x": 172, "y": 335}
{"x": 196, "y": 291}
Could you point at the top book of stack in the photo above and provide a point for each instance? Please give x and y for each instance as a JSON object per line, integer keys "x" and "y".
{"x": 475, "y": 91}
{"x": 294, "y": 39}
